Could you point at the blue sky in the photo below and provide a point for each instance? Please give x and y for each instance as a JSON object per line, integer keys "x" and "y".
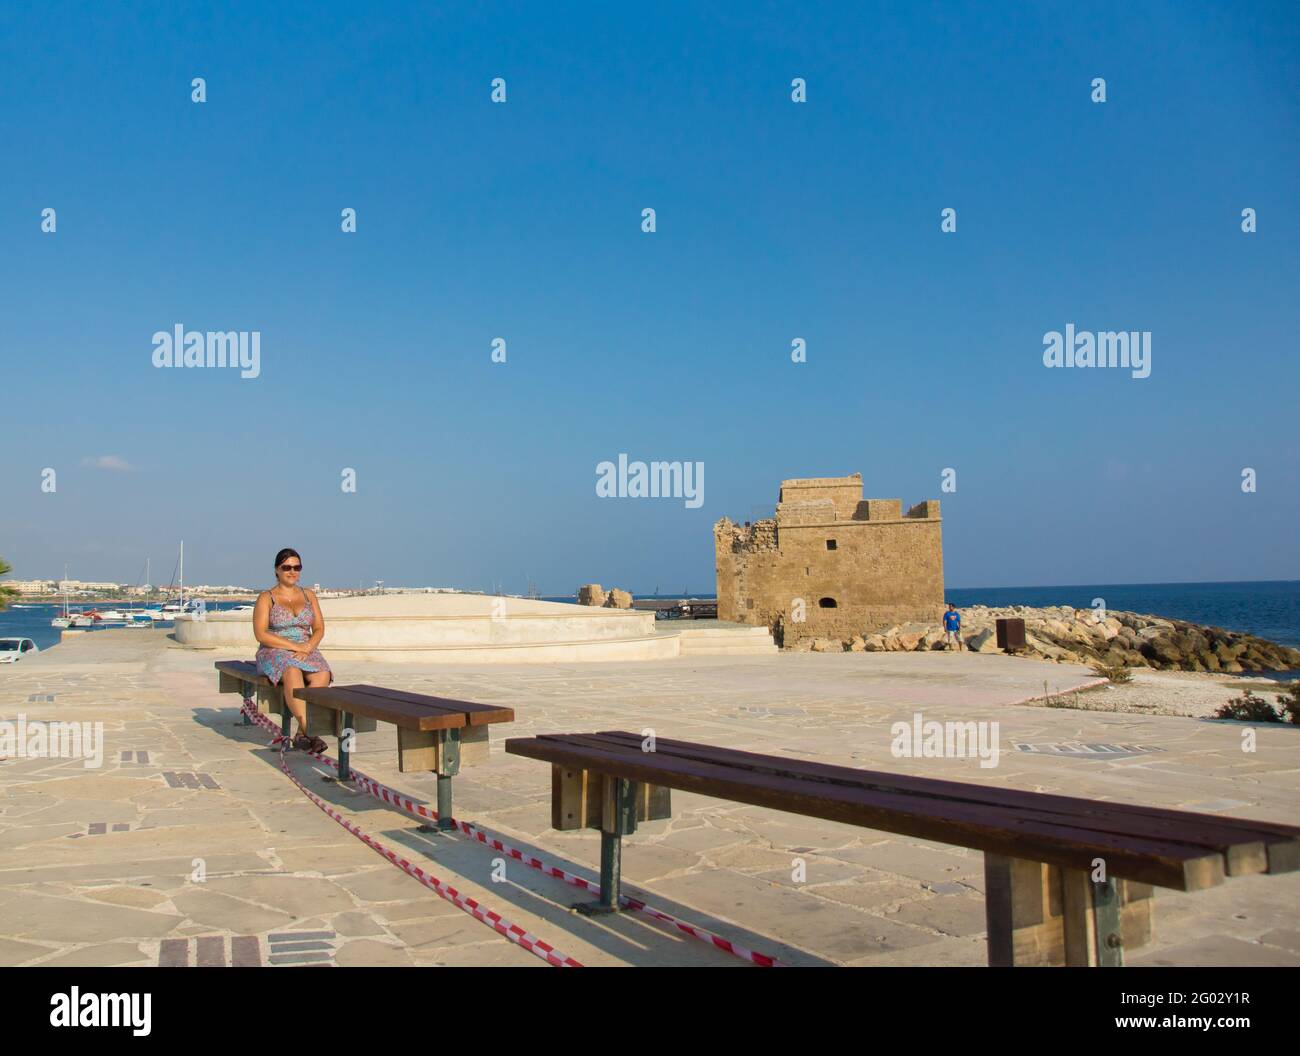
{"x": 522, "y": 220}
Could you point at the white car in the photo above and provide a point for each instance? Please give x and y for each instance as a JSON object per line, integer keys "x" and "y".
{"x": 14, "y": 649}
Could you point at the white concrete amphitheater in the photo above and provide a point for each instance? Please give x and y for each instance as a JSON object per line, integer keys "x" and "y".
{"x": 481, "y": 628}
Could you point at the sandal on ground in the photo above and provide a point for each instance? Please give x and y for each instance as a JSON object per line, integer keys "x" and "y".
{"x": 310, "y": 744}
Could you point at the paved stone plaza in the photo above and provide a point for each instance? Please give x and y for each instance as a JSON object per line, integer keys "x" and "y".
{"x": 96, "y": 864}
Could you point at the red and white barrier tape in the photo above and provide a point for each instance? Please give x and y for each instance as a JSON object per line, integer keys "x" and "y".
{"x": 394, "y": 798}
{"x": 494, "y": 920}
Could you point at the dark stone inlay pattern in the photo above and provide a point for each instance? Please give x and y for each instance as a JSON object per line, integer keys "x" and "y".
{"x": 174, "y": 953}
{"x": 299, "y": 958}
{"x": 211, "y": 952}
{"x": 245, "y": 952}
{"x": 299, "y": 936}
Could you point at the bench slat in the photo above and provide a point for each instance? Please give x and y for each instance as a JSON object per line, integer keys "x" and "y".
{"x": 479, "y": 714}
{"x": 245, "y": 669}
{"x": 399, "y": 712}
{"x": 1249, "y": 847}
{"x": 1150, "y": 861}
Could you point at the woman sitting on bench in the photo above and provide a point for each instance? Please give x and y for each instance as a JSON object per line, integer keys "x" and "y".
{"x": 289, "y": 627}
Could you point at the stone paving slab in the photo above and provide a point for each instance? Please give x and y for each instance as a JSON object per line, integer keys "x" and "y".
{"x": 275, "y": 865}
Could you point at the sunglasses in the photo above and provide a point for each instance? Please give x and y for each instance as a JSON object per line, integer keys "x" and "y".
{"x": 291, "y": 568}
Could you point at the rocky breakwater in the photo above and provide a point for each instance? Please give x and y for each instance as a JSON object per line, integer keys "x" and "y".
{"x": 1085, "y": 636}
{"x": 592, "y": 594}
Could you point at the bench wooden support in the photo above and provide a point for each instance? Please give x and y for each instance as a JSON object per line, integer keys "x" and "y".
{"x": 1040, "y": 914}
{"x": 243, "y": 677}
{"x": 584, "y": 799}
{"x": 228, "y": 683}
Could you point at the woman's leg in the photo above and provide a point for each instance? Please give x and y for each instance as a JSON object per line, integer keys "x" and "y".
{"x": 290, "y": 683}
{"x": 318, "y": 678}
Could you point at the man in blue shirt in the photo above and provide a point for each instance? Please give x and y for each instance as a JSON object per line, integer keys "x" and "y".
{"x": 951, "y": 626}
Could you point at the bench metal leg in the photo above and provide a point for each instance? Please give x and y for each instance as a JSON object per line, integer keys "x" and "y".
{"x": 345, "y": 769}
{"x": 1106, "y": 914}
{"x": 611, "y": 871}
{"x": 285, "y": 718}
{"x": 444, "y": 803}
{"x": 247, "y": 693}
{"x": 618, "y": 819}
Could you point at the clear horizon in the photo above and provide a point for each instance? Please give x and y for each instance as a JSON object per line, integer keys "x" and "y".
{"x": 776, "y": 221}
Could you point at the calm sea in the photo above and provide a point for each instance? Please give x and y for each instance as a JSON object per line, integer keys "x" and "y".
{"x": 1268, "y": 609}
{"x": 34, "y": 622}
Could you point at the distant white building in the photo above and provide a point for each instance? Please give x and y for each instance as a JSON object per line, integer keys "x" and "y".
{"x": 31, "y": 586}
{"x": 74, "y": 585}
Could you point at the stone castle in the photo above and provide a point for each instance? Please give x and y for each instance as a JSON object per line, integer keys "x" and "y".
{"x": 831, "y": 563}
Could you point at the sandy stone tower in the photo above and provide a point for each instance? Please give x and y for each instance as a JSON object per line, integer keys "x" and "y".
{"x": 831, "y": 563}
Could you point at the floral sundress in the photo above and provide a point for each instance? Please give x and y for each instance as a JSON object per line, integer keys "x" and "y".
{"x": 282, "y": 621}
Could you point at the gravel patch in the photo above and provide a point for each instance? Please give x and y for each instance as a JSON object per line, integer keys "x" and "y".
{"x": 1192, "y": 693}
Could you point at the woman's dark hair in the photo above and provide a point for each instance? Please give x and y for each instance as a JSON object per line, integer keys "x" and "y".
{"x": 286, "y": 552}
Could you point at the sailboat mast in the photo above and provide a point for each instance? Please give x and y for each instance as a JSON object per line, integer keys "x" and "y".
{"x": 182, "y": 576}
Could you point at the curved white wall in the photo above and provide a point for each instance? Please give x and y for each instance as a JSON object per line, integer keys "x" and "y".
{"x": 455, "y": 628}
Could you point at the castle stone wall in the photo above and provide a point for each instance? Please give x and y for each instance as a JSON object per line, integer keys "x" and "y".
{"x": 846, "y": 565}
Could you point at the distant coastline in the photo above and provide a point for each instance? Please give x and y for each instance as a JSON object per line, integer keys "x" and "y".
{"x": 1268, "y": 609}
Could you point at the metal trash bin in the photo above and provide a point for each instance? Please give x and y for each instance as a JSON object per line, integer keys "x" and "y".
{"x": 1011, "y": 634}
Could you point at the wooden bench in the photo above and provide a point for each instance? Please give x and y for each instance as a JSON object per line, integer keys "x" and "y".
{"x": 243, "y": 677}
{"x": 433, "y": 733}
{"x": 1068, "y": 880}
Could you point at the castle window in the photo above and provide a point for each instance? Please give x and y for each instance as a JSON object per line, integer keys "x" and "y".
{"x": 830, "y": 544}
{"x": 827, "y": 603}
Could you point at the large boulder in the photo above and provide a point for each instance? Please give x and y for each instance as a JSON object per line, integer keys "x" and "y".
{"x": 985, "y": 641}
{"x": 618, "y": 599}
{"x": 1044, "y": 648}
{"x": 909, "y": 640}
{"x": 1165, "y": 651}
{"x": 875, "y": 643}
{"x": 591, "y": 594}
{"x": 827, "y": 645}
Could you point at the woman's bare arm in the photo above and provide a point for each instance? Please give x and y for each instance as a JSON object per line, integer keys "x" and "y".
{"x": 318, "y": 619}
{"x": 262, "y": 626}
